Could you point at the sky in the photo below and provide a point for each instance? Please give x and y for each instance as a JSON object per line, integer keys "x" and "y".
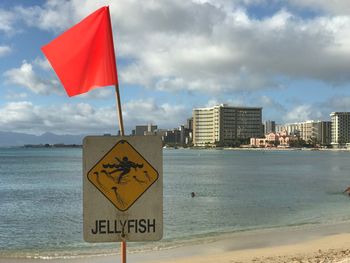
{"x": 290, "y": 57}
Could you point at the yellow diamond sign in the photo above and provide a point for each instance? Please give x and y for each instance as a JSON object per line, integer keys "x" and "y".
{"x": 123, "y": 175}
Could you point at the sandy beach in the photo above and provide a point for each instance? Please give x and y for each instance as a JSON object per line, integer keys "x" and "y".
{"x": 327, "y": 243}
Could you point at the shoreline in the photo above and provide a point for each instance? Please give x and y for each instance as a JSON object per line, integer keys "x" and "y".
{"x": 194, "y": 148}
{"x": 267, "y": 245}
{"x": 260, "y": 149}
{"x": 288, "y": 149}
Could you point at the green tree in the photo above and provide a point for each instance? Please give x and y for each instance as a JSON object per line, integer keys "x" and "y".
{"x": 298, "y": 143}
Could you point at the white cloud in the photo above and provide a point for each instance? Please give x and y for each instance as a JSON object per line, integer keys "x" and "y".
{"x": 335, "y": 7}
{"x": 25, "y": 77}
{"x": 336, "y": 103}
{"x": 237, "y": 102}
{"x": 213, "y": 46}
{"x": 49, "y": 17}
{"x": 237, "y": 52}
{"x": 5, "y": 50}
{"x": 18, "y": 113}
{"x": 278, "y": 21}
{"x": 212, "y": 103}
{"x": 164, "y": 115}
{"x": 42, "y": 63}
{"x": 7, "y": 20}
{"x": 98, "y": 93}
{"x": 79, "y": 118}
{"x": 270, "y": 103}
{"x": 82, "y": 118}
{"x": 303, "y": 113}
{"x": 16, "y": 96}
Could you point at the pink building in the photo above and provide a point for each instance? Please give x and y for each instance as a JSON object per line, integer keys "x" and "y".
{"x": 257, "y": 142}
{"x": 284, "y": 139}
{"x": 272, "y": 137}
{"x": 271, "y": 140}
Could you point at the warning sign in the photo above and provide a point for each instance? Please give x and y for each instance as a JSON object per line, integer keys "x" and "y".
{"x": 123, "y": 175}
{"x": 122, "y": 188}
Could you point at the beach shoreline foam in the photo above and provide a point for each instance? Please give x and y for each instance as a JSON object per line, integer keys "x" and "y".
{"x": 320, "y": 243}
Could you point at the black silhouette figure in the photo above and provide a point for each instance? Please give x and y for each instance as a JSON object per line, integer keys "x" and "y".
{"x": 124, "y": 166}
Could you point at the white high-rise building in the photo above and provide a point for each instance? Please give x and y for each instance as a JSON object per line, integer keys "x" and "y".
{"x": 316, "y": 130}
{"x": 225, "y": 125}
{"x": 340, "y": 128}
{"x": 289, "y": 128}
{"x": 309, "y": 130}
{"x": 320, "y": 131}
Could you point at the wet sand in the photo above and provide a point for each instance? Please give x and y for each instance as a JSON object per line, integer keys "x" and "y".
{"x": 328, "y": 243}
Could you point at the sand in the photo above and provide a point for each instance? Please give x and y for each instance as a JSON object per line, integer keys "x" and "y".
{"x": 329, "y": 249}
{"x": 328, "y": 243}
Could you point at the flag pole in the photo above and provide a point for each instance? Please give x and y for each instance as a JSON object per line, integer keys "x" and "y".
{"x": 120, "y": 114}
{"x": 121, "y": 129}
{"x": 123, "y": 251}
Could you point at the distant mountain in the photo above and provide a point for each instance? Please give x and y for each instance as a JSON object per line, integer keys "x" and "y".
{"x": 20, "y": 139}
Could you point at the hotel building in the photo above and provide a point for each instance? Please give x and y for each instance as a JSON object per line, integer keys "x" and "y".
{"x": 340, "y": 128}
{"x": 270, "y": 126}
{"x": 325, "y": 132}
{"x": 318, "y": 130}
{"x": 309, "y": 130}
{"x": 225, "y": 125}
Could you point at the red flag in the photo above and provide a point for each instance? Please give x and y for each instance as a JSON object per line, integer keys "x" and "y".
{"x": 83, "y": 56}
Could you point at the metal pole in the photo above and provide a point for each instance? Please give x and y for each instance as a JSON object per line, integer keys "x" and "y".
{"x": 123, "y": 251}
{"x": 121, "y": 127}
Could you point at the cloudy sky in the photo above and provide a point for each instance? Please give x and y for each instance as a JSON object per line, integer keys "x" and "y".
{"x": 291, "y": 57}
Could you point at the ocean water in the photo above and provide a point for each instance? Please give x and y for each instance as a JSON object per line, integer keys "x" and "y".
{"x": 41, "y": 196}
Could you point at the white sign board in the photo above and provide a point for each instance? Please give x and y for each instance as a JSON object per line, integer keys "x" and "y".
{"x": 122, "y": 188}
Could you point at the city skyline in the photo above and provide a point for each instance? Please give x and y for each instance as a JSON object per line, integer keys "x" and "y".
{"x": 289, "y": 57}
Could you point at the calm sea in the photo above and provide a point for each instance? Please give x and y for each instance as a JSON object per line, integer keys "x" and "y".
{"x": 41, "y": 196}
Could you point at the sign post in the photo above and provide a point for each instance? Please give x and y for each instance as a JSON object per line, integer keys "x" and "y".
{"x": 121, "y": 126}
{"x": 122, "y": 178}
{"x": 122, "y": 189}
